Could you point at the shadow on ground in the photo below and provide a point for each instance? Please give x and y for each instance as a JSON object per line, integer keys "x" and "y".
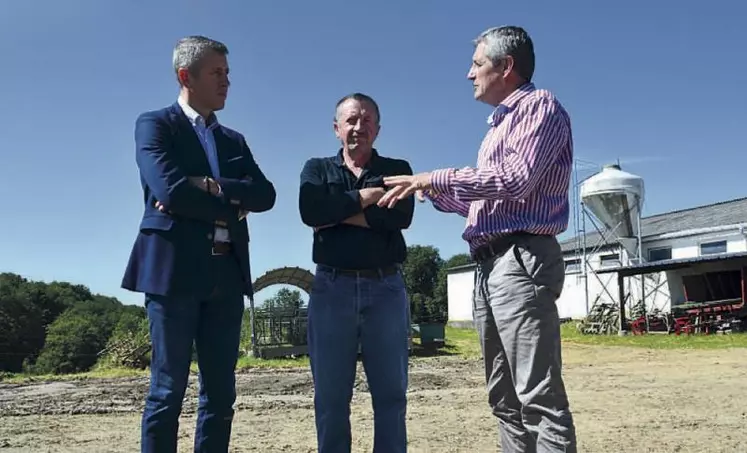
{"x": 433, "y": 351}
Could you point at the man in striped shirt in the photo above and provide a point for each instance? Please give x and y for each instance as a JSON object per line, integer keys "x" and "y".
{"x": 515, "y": 202}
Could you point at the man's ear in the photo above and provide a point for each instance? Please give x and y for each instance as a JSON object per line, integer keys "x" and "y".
{"x": 508, "y": 65}
{"x": 336, "y": 128}
{"x": 184, "y": 79}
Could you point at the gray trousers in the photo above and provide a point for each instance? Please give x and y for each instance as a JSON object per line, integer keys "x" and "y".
{"x": 519, "y": 329}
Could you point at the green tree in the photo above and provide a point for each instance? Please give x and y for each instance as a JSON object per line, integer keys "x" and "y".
{"x": 285, "y": 301}
{"x": 27, "y": 309}
{"x": 421, "y": 270}
{"x": 32, "y": 324}
{"x": 245, "y": 343}
{"x": 21, "y": 331}
{"x": 76, "y": 337}
{"x": 129, "y": 344}
{"x": 130, "y": 319}
{"x": 280, "y": 319}
{"x": 54, "y": 298}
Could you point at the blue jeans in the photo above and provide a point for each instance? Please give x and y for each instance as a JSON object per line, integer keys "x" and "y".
{"x": 345, "y": 311}
{"x": 213, "y": 324}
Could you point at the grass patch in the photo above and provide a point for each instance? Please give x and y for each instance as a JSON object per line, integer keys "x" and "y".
{"x": 459, "y": 342}
{"x": 463, "y": 342}
{"x": 246, "y": 363}
{"x": 569, "y": 334}
{"x": 96, "y": 373}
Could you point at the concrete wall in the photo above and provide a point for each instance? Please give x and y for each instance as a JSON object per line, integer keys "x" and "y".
{"x": 459, "y": 289}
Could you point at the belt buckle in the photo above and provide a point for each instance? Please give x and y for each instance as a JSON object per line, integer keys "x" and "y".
{"x": 215, "y": 253}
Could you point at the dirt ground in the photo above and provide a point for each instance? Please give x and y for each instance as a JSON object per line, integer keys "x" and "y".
{"x": 624, "y": 400}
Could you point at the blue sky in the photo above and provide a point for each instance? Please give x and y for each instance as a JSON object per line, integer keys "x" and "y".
{"x": 659, "y": 85}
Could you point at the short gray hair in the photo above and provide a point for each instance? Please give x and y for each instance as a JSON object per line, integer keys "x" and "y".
{"x": 513, "y": 41}
{"x": 189, "y": 52}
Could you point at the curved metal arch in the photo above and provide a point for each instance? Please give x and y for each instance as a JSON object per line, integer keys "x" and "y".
{"x": 296, "y": 276}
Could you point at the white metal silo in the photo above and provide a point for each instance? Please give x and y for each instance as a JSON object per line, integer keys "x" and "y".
{"x": 615, "y": 197}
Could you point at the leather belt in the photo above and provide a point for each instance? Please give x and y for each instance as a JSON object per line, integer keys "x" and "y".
{"x": 363, "y": 273}
{"x": 499, "y": 245}
{"x": 222, "y": 248}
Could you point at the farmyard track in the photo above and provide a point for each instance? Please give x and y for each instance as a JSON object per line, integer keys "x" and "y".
{"x": 624, "y": 400}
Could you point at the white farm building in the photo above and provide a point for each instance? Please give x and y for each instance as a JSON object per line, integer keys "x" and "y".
{"x": 691, "y": 255}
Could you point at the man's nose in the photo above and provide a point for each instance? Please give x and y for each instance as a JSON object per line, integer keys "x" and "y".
{"x": 358, "y": 125}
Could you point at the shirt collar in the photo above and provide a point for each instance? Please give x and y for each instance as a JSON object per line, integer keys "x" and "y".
{"x": 194, "y": 117}
{"x": 340, "y": 161}
{"x": 509, "y": 103}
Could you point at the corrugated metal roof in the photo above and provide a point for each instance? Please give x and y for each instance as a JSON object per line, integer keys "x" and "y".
{"x": 723, "y": 213}
{"x": 463, "y": 267}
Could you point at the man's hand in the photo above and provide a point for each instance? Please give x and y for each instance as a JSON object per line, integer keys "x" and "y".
{"x": 212, "y": 186}
{"x": 316, "y": 229}
{"x": 207, "y": 184}
{"x": 371, "y": 195}
{"x": 403, "y": 186}
{"x": 197, "y": 181}
{"x": 162, "y": 208}
{"x": 356, "y": 220}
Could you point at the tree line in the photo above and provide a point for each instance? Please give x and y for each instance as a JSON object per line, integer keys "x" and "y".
{"x": 60, "y": 327}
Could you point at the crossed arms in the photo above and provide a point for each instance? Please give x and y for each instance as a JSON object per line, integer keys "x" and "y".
{"x": 180, "y": 194}
{"x": 320, "y": 209}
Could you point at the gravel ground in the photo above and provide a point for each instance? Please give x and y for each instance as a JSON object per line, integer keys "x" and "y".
{"x": 624, "y": 400}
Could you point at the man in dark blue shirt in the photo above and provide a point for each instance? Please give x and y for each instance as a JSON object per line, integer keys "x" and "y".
{"x": 359, "y": 296}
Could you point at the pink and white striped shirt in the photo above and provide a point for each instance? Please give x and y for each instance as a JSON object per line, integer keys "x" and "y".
{"x": 523, "y": 172}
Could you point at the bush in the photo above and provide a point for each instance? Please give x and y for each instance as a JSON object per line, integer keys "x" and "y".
{"x": 76, "y": 337}
{"x": 129, "y": 345}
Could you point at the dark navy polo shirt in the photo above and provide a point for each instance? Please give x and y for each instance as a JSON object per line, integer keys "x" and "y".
{"x": 329, "y": 194}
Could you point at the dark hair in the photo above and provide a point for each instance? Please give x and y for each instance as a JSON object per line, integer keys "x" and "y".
{"x": 360, "y": 97}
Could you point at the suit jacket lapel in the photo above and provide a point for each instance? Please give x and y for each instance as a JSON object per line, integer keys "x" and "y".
{"x": 222, "y": 147}
{"x": 195, "y": 149}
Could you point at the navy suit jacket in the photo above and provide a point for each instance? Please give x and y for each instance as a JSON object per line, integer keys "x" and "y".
{"x": 172, "y": 252}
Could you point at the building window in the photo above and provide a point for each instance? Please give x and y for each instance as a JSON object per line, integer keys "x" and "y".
{"x": 660, "y": 254}
{"x": 612, "y": 260}
{"x": 712, "y": 248}
{"x": 572, "y": 266}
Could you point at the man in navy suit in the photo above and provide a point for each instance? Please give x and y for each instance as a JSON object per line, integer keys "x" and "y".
{"x": 191, "y": 257}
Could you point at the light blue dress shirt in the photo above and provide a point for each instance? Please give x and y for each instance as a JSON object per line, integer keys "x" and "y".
{"x": 205, "y": 134}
